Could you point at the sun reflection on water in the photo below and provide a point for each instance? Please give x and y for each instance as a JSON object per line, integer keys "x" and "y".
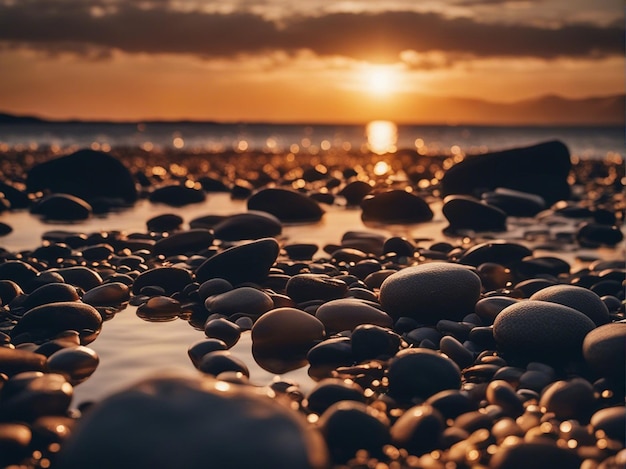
{"x": 382, "y": 136}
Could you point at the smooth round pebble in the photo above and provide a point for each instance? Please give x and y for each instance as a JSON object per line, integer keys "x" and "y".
{"x": 285, "y": 328}
{"x": 75, "y": 363}
{"x": 286, "y": 205}
{"x": 171, "y": 279}
{"x": 348, "y": 313}
{"x": 604, "y": 350}
{"x": 579, "y": 298}
{"x": 184, "y": 242}
{"x": 395, "y": 206}
{"x": 418, "y": 430}
{"x": 246, "y": 300}
{"x": 224, "y": 330}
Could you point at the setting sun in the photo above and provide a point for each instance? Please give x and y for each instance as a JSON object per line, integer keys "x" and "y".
{"x": 380, "y": 80}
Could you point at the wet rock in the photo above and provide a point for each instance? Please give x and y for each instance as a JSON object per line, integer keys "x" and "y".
{"x": 530, "y": 267}
{"x": 50, "y": 293}
{"x": 451, "y": 403}
{"x": 184, "y": 242}
{"x": 17, "y": 198}
{"x": 286, "y": 205}
{"x": 569, "y": 400}
{"x": 371, "y": 341}
{"x": 14, "y": 361}
{"x": 199, "y": 349}
{"x": 612, "y": 421}
{"x": 305, "y": 287}
{"x": 246, "y": 300}
{"x": 466, "y": 213}
{"x": 29, "y": 395}
{"x": 498, "y": 252}
{"x": 80, "y": 276}
{"x": 579, "y": 298}
{"x": 47, "y": 321}
{"x": 250, "y": 225}
{"x": 123, "y": 429}
{"x": 332, "y": 390}
{"x": 62, "y": 207}
{"x": 248, "y": 262}
{"x": 501, "y": 393}
{"x": 348, "y": 313}
{"x": 418, "y": 430}
{"x": 97, "y": 252}
{"x": 301, "y": 251}
{"x": 9, "y": 290}
{"x": 331, "y": 353}
{"x": 400, "y": 246}
{"x": 285, "y": 328}
{"x": 108, "y": 294}
{"x": 396, "y": 206}
{"x": 515, "y": 169}
{"x": 159, "y": 309}
{"x": 75, "y": 363}
{"x": 430, "y": 292}
{"x": 88, "y": 174}
{"x": 170, "y": 279}
{"x": 542, "y": 331}
{"x": 15, "y": 439}
{"x": 355, "y": 191}
{"x": 224, "y": 330}
{"x": 165, "y": 223}
{"x": 514, "y": 203}
{"x": 349, "y": 426}
{"x": 455, "y": 350}
{"x": 604, "y": 350}
{"x": 5, "y": 229}
{"x": 420, "y": 373}
{"x": 221, "y": 361}
{"x": 539, "y": 455}
{"x": 594, "y": 235}
{"x": 214, "y": 286}
{"x": 177, "y": 195}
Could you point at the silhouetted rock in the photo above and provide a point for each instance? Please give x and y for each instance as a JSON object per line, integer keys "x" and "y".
{"x": 395, "y": 206}
{"x": 88, "y": 174}
{"x": 62, "y": 207}
{"x": 539, "y": 169}
{"x": 467, "y": 213}
{"x": 286, "y": 205}
{"x": 177, "y": 195}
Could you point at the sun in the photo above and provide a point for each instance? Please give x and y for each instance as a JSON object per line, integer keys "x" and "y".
{"x": 380, "y": 81}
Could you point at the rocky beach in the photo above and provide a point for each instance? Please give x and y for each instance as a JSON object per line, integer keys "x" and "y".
{"x": 345, "y": 309}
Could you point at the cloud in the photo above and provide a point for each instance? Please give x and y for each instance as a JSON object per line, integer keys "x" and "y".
{"x": 154, "y": 27}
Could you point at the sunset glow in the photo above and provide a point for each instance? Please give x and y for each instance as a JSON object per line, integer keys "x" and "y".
{"x": 283, "y": 61}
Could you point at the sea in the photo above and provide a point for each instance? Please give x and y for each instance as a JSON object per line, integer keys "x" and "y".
{"x": 583, "y": 141}
{"x": 131, "y": 348}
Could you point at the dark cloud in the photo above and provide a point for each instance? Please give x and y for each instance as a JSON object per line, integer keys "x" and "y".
{"x": 52, "y": 25}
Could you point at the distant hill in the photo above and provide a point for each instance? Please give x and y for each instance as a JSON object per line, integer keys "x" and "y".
{"x": 428, "y": 109}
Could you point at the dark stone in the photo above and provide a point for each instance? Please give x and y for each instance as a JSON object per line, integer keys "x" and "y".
{"x": 50, "y": 293}
{"x": 177, "y": 195}
{"x": 17, "y": 198}
{"x": 246, "y": 300}
{"x": 80, "y": 276}
{"x": 206, "y": 221}
{"x": 466, "y": 213}
{"x": 594, "y": 235}
{"x": 418, "y": 430}
{"x": 455, "y": 350}
{"x": 430, "y": 292}
{"x": 149, "y": 425}
{"x": 184, "y": 242}
{"x": 451, "y": 403}
{"x": 579, "y": 298}
{"x": 288, "y": 206}
{"x": 569, "y": 400}
{"x": 350, "y": 426}
{"x": 14, "y": 361}
{"x": 62, "y": 207}
{"x": 305, "y": 287}
{"x": 498, "y": 252}
{"x": 199, "y": 349}
{"x": 75, "y": 363}
{"x": 514, "y": 203}
{"x": 355, "y": 191}
{"x": 87, "y": 174}
{"x": 501, "y": 393}
{"x": 212, "y": 184}
{"x": 396, "y": 206}
{"x": 538, "y": 455}
{"x": 108, "y": 294}
{"x": 5, "y": 229}
{"x": 541, "y": 331}
{"x": 9, "y": 290}
{"x": 488, "y": 309}
{"x": 400, "y": 246}
{"x": 331, "y": 353}
{"x": 97, "y": 252}
{"x": 604, "y": 349}
{"x": 171, "y": 279}
{"x": 421, "y": 373}
{"x": 540, "y": 169}
{"x": 612, "y": 421}
{"x": 348, "y": 313}
{"x": 331, "y": 390}
{"x": 536, "y": 266}
{"x": 301, "y": 251}
{"x": 164, "y": 222}
{"x": 250, "y": 225}
{"x": 248, "y": 262}
{"x": 224, "y": 330}
{"x": 220, "y": 361}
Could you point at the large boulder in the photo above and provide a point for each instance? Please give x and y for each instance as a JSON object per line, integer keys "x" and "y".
{"x": 87, "y": 174}
{"x": 541, "y": 169}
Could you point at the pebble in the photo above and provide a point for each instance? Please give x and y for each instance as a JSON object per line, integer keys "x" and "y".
{"x": 539, "y": 455}
{"x": 62, "y": 207}
{"x": 165, "y": 222}
{"x": 286, "y": 328}
{"x": 14, "y": 361}
{"x": 122, "y": 430}
{"x": 184, "y": 242}
{"x": 286, "y": 205}
{"x": 301, "y": 251}
{"x": 331, "y": 353}
{"x": 430, "y": 292}
{"x": 419, "y": 430}
{"x": 514, "y": 203}
{"x": 504, "y": 253}
{"x": 249, "y": 225}
{"x": 541, "y": 330}
{"x": 50, "y": 293}
{"x": 595, "y": 235}
{"x": 15, "y": 439}
{"x": 249, "y": 262}
{"x": 200, "y": 348}
{"x": 170, "y": 279}
{"x": 108, "y": 294}
{"x": 569, "y": 400}
{"x": 221, "y": 361}
{"x": 80, "y": 276}
{"x": 370, "y": 341}
{"x": 224, "y": 330}
{"x": 395, "y": 207}
{"x": 355, "y": 191}
{"x": 501, "y": 393}
{"x": 467, "y": 213}
{"x": 611, "y": 421}
{"x": 75, "y": 363}
{"x": 420, "y": 373}
{"x": 451, "y": 403}
{"x": 177, "y": 195}
{"x": 488, "y": 308}
{"x": 246, "y": 300}
{"x": 579, "y": 298}
{"x": 47, "y": 321}
{"x": 332, "y": 390}
{"x": 9, "y": 290}
{"x": 604, "y": 350}
{"x": 305, "y": 287}
{"x": 159, "y": 308}
{"x": 348, "y": 313}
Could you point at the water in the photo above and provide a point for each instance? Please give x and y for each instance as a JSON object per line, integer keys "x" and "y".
{"x": 584, "y": 142}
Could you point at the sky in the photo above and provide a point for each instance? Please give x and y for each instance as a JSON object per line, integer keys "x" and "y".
{"x": 301, "y": 61}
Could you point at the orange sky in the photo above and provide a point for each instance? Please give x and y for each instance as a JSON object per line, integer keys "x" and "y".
{"x": 310, "y": 61}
